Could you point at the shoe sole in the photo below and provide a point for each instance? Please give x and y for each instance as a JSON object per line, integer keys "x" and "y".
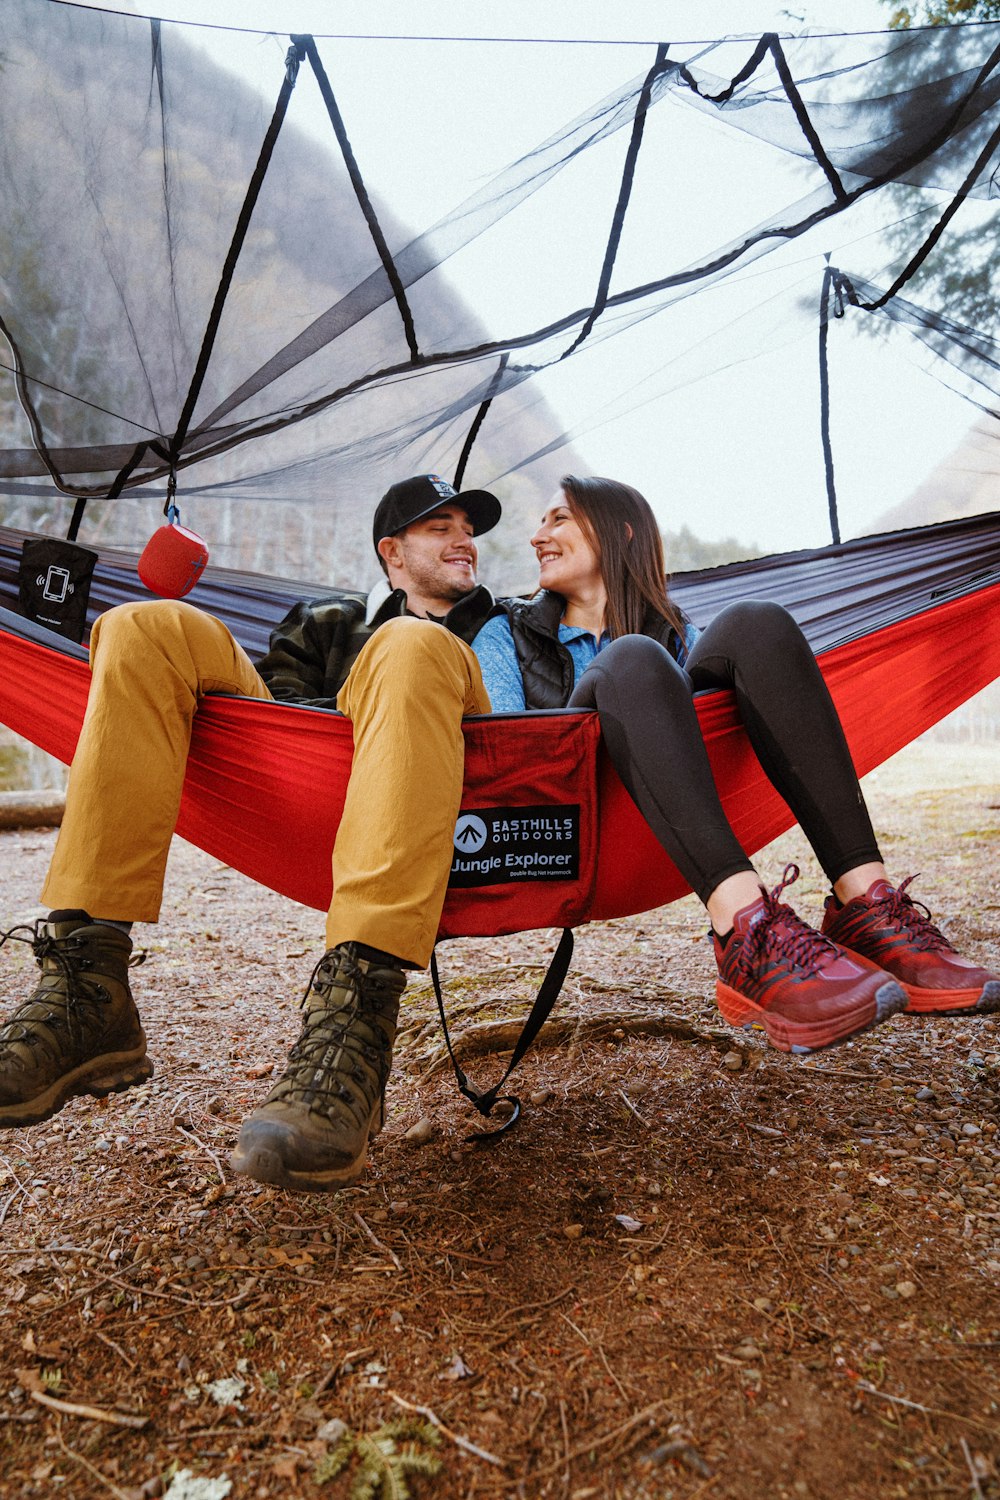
{"x": 265, "y": 1163}
{"x": 100, "y": 1076}
{"x": 798, "y": 1036}
{"x": 924, "y": 1002}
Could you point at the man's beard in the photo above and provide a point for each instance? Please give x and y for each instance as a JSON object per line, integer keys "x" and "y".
{"x": 438, "y": 582}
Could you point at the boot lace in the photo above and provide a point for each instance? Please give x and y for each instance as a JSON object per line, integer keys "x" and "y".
{"x": 896, "y": 906}
{"x": 340, "y": 1039}
{"x": 781, "y": 934}
{"x": 67, "y": 1006}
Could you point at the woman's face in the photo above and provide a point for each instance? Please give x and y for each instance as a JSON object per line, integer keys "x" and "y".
{"x": 567, "y": 559}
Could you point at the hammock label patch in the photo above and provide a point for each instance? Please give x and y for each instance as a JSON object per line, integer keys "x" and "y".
{"x": 495, "y": 845}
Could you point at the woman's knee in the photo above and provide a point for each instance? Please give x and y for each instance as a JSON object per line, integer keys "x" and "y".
{"x": 752, "y": 622}
{"x": 635, "y": 669}
{"x": 641, "y": 661}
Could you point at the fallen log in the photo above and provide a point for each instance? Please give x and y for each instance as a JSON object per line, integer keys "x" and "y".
{"x": 42, "y": 808}
{"x": 483, "y": 1037}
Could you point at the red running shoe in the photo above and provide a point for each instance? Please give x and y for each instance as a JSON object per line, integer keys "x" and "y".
{"x": 889, "y": 928}
{"x": 803, "y": 989}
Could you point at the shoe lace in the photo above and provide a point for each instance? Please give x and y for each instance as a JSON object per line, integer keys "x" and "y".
{"x": 339, "y": 1023}
{"x": 781, "y": 931}
{"x": 896, "y": 906}
{"x": 67, "y": 1006}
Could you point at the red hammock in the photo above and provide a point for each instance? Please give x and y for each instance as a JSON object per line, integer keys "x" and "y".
{"x": 266, "y": 781}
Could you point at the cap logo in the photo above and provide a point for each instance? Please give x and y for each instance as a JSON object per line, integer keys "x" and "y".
{"x": 444, "y": 489}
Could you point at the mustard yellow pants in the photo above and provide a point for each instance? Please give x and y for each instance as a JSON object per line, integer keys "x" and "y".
{"x": 152, "y": 663}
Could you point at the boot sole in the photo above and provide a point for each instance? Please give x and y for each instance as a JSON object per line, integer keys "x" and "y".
{"x": 265, "y": 1164}
{"x": 924, "y": 1002}
{"x": 798, "y": 1036}
{"x": 112, "y": 1073}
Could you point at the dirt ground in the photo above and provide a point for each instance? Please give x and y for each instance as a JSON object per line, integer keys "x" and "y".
{"x": 696, "y": 1267}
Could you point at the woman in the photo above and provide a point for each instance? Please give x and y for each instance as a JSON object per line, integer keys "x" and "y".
{"x": 602, "y": 633}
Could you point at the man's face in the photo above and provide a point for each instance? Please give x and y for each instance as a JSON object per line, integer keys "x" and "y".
{"x": 434, "y": 559}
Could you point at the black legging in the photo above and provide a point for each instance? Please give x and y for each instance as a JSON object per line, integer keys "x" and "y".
{"x": 652, "y": 733}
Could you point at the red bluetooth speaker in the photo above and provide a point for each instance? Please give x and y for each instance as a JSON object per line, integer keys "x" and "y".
{"x": 173, "y": 559}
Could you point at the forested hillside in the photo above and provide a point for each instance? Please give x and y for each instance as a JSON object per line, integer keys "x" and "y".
{"x": 125, "y": 154}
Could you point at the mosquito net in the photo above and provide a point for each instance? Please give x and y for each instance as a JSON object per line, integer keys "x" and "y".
{"x": 285, "y": 271}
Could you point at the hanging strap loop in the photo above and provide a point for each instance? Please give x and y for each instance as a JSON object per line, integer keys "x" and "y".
{"x": 170, "y": 508}
{"x": 547, "y": 995}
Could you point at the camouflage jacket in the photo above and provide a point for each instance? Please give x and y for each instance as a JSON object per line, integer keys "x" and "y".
{"x": 318, "y": 641}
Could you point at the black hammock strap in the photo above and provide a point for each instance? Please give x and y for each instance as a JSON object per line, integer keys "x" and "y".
{"x": 547, "y": 995}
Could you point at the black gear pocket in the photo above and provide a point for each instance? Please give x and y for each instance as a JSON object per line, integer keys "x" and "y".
{"x": 54, "y": 578}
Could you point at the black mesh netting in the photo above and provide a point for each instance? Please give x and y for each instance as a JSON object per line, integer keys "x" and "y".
{"x": 199, "y": 274}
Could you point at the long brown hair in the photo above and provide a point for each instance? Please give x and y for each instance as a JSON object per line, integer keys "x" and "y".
{"x": 621, "y": 527}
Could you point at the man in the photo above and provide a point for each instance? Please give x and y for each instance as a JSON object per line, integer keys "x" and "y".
{"x": 401, "y": 669}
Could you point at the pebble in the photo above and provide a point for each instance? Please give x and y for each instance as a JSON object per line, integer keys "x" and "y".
{"x": 906, "y": 1289}
{"x": 733, "y": 1061}
{"x": 971, "y": 1130}
{"x": 925, "y": 1095}
{"x": 540, "y": 1096}
{"x": 572, "y": 1231}
{"x": 420, "y": 1133}
{"x": 332, "y": 1431}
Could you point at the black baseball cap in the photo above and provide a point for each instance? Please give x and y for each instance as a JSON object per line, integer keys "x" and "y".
{"x": 412, "y": 499}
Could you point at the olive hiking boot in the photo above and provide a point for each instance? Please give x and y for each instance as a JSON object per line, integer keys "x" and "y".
{"x": 79, "y": 1031}
{"x": 312, "y": 1131}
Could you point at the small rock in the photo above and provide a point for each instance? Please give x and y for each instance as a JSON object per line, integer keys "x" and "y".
{"x": 420, "y": 1133}
{"x": 572, "y": 1231}
{"x": 540, "y": 1096}
{"x": 332, "y": 1431}
{"x": 906, "y": 1289}
{"x": 970, "y": 1129}
{"x": 733, "y": 1061}
{"x": 925, "y": 1095}
{"x": 627, "y": 1222}
{"x": 457, "y": 1370}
